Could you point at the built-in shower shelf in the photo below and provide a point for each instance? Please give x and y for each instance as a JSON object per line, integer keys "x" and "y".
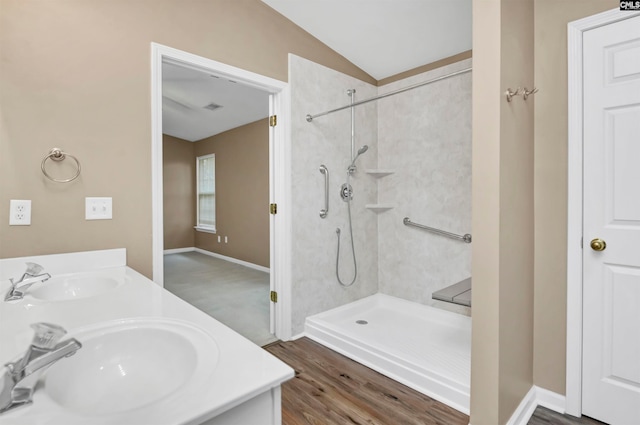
{"x": 379, "y": 172}
{"x": 379, "y": 207}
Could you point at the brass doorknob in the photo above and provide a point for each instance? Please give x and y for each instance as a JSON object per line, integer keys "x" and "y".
{"x": 598, "y": 244}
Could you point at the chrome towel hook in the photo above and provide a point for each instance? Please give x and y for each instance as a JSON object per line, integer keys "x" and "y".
{"x": 528, "y": 93}
{"x": 510, "y": 94}
{"x": 524, "y": 92}
{"x": 56, "y": 154}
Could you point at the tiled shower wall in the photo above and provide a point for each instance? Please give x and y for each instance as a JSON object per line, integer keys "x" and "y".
{"x": 327, "y": 141}
{"x": 424, "y": 135}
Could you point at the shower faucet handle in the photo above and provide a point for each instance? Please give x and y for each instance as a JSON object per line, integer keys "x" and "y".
{"x": 346, "y": 192}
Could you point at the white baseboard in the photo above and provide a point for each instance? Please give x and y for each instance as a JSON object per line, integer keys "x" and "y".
{"x": 178, "y": 250}
{"x": 550, "y": 400}
{"x": 220, "y": 256}
{"x": 525, "y": 409}
{"x": 233, "y": 260}
{"x": 300, "y": 335}
{"x": 536, "y": 397}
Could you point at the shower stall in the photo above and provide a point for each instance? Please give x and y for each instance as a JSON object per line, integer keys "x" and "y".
{"x": 412, "y": 155}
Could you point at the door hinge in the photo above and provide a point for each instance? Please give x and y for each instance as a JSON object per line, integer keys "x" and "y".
{"x": 273, "y": 296}
{"x": 273, "y": 120}
{"x": 273, "y": 208}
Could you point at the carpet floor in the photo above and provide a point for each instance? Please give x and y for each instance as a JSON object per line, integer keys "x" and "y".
{"x": 233, "y": 294}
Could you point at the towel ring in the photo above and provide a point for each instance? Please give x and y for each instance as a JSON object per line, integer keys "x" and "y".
{"x": 56, "y": 154}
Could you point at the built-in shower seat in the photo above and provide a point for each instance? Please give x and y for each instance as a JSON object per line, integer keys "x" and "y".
{"x": 458, "y": 293}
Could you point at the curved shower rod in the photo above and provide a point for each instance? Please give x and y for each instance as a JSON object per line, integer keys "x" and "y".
{"x": 424, "y": 83}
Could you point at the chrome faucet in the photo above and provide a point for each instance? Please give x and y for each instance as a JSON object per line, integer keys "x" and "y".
{"x": 32, "y": 275}
{"x": 19, "y": 378}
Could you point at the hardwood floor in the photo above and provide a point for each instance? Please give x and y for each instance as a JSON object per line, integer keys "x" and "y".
{"x": 543, "y": 416}
{"x": 331, "y": 389}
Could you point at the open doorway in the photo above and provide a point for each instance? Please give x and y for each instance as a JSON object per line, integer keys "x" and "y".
{"x": 211, "y": 120}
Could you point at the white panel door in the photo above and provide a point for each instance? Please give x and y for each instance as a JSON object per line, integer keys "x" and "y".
{"x": 611, "y": 277}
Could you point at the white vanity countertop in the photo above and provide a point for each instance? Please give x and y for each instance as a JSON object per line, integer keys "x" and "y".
{"x": 242, "y": 370}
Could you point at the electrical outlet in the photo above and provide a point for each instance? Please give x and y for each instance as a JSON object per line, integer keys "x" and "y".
{"x": 98, "y": 209}
{"x": 226, "y": 239}
{"x": 218, "y": 238}
{"x": 19, "y": 212}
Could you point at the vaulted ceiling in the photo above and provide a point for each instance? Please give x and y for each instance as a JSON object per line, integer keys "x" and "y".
{"x": 382, "y": 37}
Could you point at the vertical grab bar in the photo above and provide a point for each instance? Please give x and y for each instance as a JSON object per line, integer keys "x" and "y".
{"x": 325, "y": 171}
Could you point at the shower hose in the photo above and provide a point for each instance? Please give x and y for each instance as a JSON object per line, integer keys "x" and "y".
{"x": 353, "y": 249}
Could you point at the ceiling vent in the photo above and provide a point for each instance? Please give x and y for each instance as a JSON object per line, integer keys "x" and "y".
{"x": 212, "y": 106}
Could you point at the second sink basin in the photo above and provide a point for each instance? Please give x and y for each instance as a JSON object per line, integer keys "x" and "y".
{"x": 75, "y": 286}
{"x": 131, "y": 365}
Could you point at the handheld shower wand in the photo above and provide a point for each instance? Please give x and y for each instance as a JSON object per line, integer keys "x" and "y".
{"x": 346, "y": 194}
{"x": 352, "y": 167}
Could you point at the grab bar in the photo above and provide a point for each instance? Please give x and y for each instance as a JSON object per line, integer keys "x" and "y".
{"x": 324, "y": 170}
{"x": 464, "y": 238}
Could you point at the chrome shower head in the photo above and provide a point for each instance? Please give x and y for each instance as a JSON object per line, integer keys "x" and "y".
{"x": 351, "y": 167}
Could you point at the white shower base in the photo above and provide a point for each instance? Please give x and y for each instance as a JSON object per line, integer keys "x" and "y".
{"x": 423, "y": 347}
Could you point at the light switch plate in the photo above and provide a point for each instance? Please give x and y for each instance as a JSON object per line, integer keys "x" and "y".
{"x": 98, "y": 208}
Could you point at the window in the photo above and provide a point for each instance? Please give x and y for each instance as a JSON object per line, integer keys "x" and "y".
{"x": 206, "y": 193}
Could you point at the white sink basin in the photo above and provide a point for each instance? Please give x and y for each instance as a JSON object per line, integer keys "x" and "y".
{"x": 130, "y": 365}
{"x": 75, "y": 286}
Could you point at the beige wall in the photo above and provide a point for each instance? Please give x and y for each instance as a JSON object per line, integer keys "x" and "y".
{"x": 179, "y": 192}
{"x": 551, "y": 18}
{"x": 516, "y": 207}
{"x": 242, "y": 193}
{"x": 485, "y": 207}
{"x": 76, "y": 75}
{"x": 506, "y": 362}
{"x": 424, "y": 68}
{"x": 502, "y": 339}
